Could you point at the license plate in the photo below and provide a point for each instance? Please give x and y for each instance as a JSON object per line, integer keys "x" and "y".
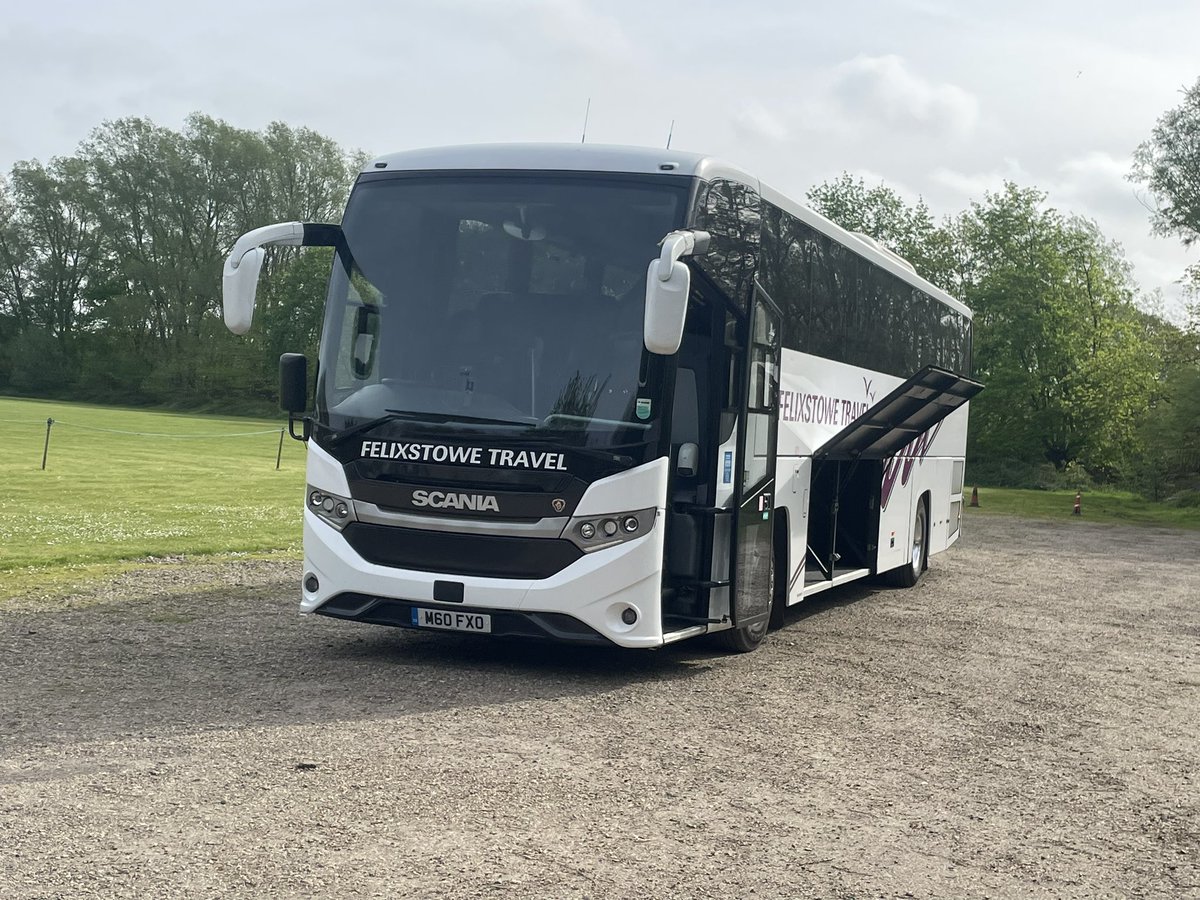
{"x": 452, "y": 620}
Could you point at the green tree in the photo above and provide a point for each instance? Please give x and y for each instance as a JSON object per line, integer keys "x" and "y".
{"x": 1059, "y": 341}
{"x": 882, "y": 214}
{"x": 171, "y": 204}
{"x": 51, "y": 252}
{"x": 1169, "y": 164}
{"x": 1068, "y": 359}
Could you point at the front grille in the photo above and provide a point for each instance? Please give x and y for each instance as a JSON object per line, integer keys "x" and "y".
{"x": 460, "y": 554}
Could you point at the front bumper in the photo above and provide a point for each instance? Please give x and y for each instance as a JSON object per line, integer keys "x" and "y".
{"x": 582, "y": 602}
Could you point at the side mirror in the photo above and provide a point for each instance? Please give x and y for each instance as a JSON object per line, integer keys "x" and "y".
{"x": 239, "y": 279}
{"x": 293, "y": 383}
{"x": 666, "y": 307}
{"x": 667, "y": 284}
{"x": 238, "y": 288}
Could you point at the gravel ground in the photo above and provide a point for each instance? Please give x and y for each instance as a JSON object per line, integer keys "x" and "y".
{"x": 1025, "y": 722}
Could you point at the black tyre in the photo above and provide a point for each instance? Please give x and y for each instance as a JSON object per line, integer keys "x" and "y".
{"x": 746, "y": 640}
{"x": 909, "y": 574}
{"x": 742, "y": 640}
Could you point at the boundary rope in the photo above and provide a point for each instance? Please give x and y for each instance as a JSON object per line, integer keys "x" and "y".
{"x": 148, "y": 433}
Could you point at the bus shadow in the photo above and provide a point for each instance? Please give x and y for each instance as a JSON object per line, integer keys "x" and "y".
{"x": 85, "y": 675}
{"x": 194, "y": 663}
{"x": 517, "y": 657}
{"x": 833, "y": 598}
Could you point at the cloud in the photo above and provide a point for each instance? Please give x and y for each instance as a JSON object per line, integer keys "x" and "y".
{"x": 1096, "y": 184}
{"x": 883, "y": 88}
{"x": 755, "y": 121}
{"x": 569, "y": 31}
{"x": 968, "y": 186}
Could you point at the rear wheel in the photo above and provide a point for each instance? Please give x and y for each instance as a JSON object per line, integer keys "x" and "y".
{"x": 908, "y": 575}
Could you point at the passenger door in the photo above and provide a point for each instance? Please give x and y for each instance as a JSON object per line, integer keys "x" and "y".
{"x": 754, "y": 497}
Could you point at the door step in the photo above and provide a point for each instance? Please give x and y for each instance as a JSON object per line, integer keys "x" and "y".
{"x": 814, "y": 583}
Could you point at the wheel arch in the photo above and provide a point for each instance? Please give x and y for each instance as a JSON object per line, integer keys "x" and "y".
{"x": 926, "y": 500}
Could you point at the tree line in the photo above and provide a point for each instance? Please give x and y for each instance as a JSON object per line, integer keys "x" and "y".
{"x": 110, "y": 263}
{"x": 1087, "y": 381}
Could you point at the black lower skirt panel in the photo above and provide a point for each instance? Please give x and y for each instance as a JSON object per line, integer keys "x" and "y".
{"x": 505, "y": 622}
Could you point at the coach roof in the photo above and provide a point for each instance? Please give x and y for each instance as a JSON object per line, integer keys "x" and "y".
{"x": 559, "y": 157}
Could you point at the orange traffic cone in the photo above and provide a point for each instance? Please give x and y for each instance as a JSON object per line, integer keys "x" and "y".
{"x": 974, "y": 497}
{"x": 1077, "y": 510}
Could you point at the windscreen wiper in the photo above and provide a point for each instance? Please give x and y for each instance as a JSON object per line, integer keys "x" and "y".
{"x": 443, "y": 418}
{"x": 389, "y": 416}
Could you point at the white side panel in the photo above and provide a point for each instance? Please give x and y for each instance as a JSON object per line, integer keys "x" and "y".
{"x": 638, "y": 488}
{"x": 938, "y": 486}
{"x": 926, "y": 465}
{"x": 325, "y": 472}
{"x": 895, "y": 529}
{"x": 819, "y": 397}
{"x": 793, "y": 476}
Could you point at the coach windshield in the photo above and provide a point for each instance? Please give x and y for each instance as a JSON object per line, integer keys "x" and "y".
{"x": 506, "y": 304}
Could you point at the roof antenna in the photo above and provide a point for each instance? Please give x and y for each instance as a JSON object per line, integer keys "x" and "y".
{"x": 587, "y": 109}
{"x": 670, "y": 133}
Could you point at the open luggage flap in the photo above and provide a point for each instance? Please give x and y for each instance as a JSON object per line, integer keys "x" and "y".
{"x": 908, "y": 411}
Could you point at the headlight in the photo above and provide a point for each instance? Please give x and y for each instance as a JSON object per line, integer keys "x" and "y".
{"x": 590, "y": 533}
{"x": 337, "y": 511}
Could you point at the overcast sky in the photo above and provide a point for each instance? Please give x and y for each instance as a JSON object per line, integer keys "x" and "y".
{"x": 938, "y": 99}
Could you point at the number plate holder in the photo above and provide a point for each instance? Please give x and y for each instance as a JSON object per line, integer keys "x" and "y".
{"x": 452, "y": 620}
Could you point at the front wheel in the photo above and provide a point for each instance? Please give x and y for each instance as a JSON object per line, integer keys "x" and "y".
{"x": 747, "y": 640}
{"x": 743, "y": 640}
{"x": 908, "y": 574}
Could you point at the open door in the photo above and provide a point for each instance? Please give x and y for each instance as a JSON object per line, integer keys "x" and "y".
{"x": 754, "y": 495}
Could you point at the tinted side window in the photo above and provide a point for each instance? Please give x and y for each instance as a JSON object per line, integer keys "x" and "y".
{"x": 731, "y": 215}
{"x": 785, "y": 270}
{"x": 839, "y": 305}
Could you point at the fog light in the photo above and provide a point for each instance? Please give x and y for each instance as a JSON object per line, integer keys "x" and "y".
{"x": 610, "y": 527}
{"x": 327, "y": 504}
{"x": 629, "y": 615}
{"x": 311, "y": 584}
{"x": 587, "y": 531}
{"x": 630, "y": 524}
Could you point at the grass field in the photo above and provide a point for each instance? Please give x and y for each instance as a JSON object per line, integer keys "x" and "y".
{"x": 123, "y": 484}
{"x": 1096, "y": 506}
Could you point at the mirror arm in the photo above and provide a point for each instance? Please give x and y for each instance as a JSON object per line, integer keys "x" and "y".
{"x": 678, "y": 244}
{"x": 287, "y": 234}
{"x": 290, "y": 234}
{"x": 305, "y": 427}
